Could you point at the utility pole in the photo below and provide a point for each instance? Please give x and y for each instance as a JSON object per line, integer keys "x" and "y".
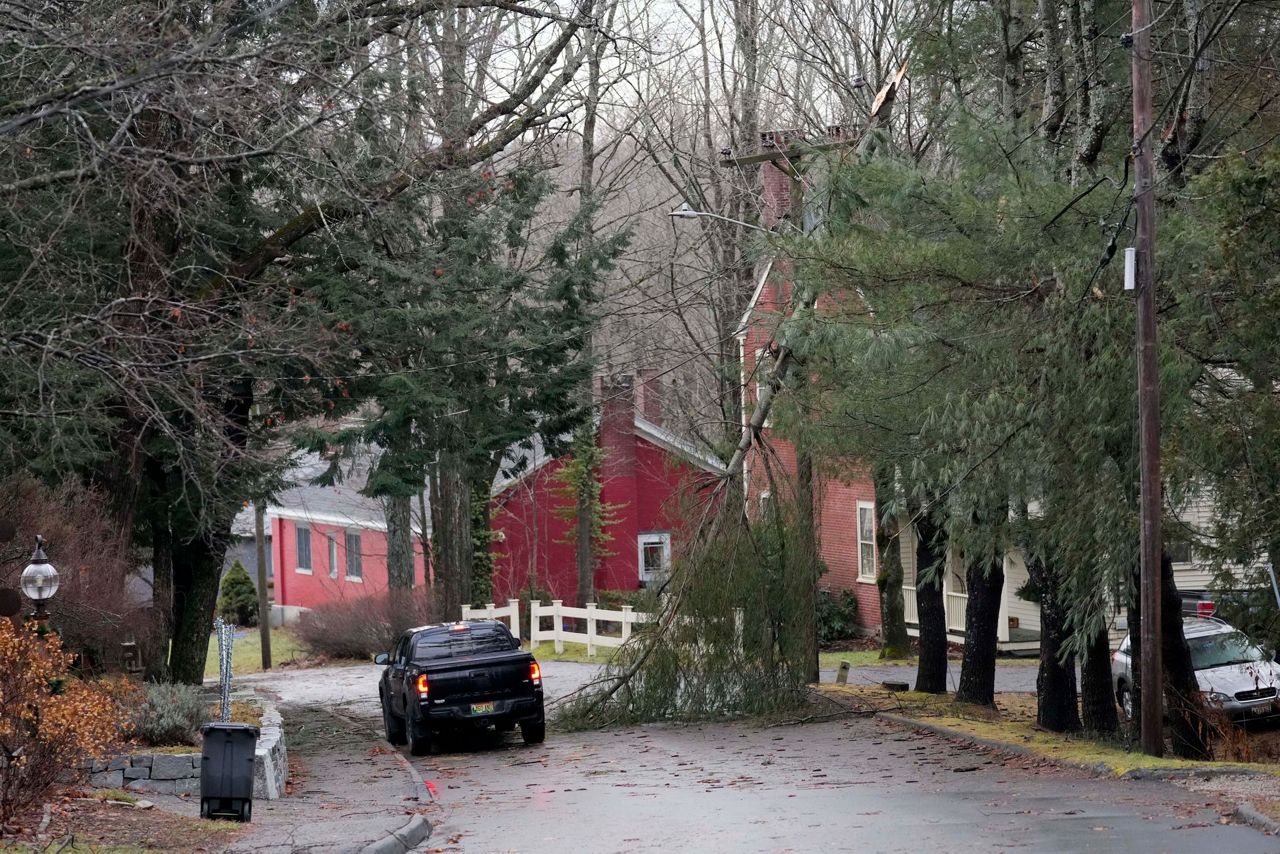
{"x": 264, "y": 603}
{"x": 1152, "y": 711}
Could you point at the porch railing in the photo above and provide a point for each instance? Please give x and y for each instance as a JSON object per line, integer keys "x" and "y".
{"x": 956, "y": 603}
{"x": 909, "y": 605}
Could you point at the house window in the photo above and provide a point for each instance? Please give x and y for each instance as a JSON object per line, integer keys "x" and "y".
{"x": 355, "y": 569}
{"x": 655, "y": 555}
{"x": 304, "y": 549}
{"x": 764, "y": 367}
{"x": 333, "y": 555}
{"x": 766, "y": 503}
{"x": 866, "y": 541}
{"x": 1179, "y": 550}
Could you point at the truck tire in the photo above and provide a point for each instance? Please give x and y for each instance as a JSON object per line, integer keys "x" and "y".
{"x": 392, "y": 724}
{"x": 533, "y": 732}
{"x": 420, "y": 740}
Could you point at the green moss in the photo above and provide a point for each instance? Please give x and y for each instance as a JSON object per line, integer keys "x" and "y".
{"x": 576, "y": 652}
{"x": 114, "y": 795}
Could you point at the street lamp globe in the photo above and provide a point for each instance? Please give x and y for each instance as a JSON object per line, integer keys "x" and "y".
{"x": 39, "y": 579}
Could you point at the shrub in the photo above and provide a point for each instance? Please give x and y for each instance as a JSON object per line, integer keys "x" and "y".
{"x": 361, "y": 626}
{"x": 238, "y": 601}
{"x": 170, "y": 715}
{"x": 93, "y": 611}
{"x": 837, "y": 616}
{"x": 49, "y": 721}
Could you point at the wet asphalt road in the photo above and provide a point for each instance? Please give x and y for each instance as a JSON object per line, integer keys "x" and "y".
{"x": 844, "y": 785}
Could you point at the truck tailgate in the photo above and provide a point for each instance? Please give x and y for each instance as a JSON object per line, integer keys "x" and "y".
{"x": 494, "y": 676}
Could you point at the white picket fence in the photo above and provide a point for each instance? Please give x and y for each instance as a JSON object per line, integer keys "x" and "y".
{"x": 594, "y": 616}
{"x": 510, "y": 613}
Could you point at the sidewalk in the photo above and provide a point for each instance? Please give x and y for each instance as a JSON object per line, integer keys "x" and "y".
{"x": 349, "y": 790}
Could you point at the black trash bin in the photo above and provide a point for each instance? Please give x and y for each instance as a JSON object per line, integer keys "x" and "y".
{"x": 226, "y": 771}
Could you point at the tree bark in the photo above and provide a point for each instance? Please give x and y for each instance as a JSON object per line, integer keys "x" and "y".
{"x": 583, "y": 551}
{"x": 1097, "y": 690}
{"x": 931, "y": 564}
{"x": 399, "y": 512}
{"x": 451, "y": 533}
{"x": 197, "y": 566}
{"x": 264, "y": 599}
{"x": 985, "y": 580}
{"x": 894, "y": 642}
{"x": 1056, "y": 680}
{"x": 1183, "y": 703}
{"x": 803, "y": 586}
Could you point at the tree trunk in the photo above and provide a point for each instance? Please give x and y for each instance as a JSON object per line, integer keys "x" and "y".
{"x": 583, "y": 556}
{"x": 161, "y": 634}
{"x": 1056, "y": 679}
{"x": 1097, "y": 690}
{"x": 264, "y": 599}
{"x": 978, "y": 670}
{"x": 482, "y": 536}
{"x": 1055, "y": 107}
{"x": 931, "y": 565}
{"x": 399, "y": 512}
{"x": 802, "y": 588}
{"x": 451, "y": 533}
{"x": 894, "y": 642}
{"x": 1183, "y": 703}
{"x": 197, "y": 569}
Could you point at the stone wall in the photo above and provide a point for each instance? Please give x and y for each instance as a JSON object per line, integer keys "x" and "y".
{"x": 149, "y": 772}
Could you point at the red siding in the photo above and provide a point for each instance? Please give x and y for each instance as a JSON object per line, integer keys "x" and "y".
{"x": 644, "y": 485}
{"x": 295, "y": 587}
{"x": 836, "y": 497}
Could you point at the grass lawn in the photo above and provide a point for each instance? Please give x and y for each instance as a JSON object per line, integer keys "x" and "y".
{"x": 246, "y": 652}
{"x": 574, "y": 652}
{"x": 1013, "y": 722}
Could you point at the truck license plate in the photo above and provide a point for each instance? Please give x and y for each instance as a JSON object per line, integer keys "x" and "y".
{"x": 482, "y": 708}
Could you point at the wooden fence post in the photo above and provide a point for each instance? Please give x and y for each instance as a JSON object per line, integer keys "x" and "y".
{"x": 737, "y": 628}
{"x": 559, "y": 624}
{"x": 591, "y": 629}
{"x": 514, "y": 606}
{"x": 535, "y": 623}
{"x": 627, "y": 617}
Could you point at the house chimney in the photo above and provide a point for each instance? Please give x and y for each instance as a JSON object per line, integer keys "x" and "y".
{"x": 618, "y": 424}
{"x": 777, "y": 184}
{"x": 649, "y": 396}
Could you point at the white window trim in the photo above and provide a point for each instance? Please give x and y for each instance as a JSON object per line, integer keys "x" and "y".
{"x": 760, "y": 381}
{"x": 332, "y": 542}
{"x": 297, "y": 566}
{"x": 650, "y": 538}
{"x": 863, "y": 576}
{"x": 763, "y": 500}
{"x": 346, "y": 563}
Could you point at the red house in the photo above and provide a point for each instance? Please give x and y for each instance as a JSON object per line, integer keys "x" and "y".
{"x": 651, "y": 481}
{"x": 844, "y": 498}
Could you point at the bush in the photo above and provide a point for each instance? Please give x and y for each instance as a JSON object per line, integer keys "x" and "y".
{"x": 170, "y": 715}
{"x": 361, "y": 626}
{"x": 238, "y": 602}
{"x": 93, "y": 612}
{"x": 49, "y": 721}
{"x": 837, "y": 616}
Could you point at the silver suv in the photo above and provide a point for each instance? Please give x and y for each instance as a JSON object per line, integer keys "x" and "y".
{"x": 1234, "y": 674}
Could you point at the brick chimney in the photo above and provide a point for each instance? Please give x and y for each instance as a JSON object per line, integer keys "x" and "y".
{"x": 649, "y": 396}
{"x": 777, "y": 184}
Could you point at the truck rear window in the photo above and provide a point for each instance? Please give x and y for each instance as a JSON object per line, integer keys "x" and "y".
{"x": 448, "y": 643}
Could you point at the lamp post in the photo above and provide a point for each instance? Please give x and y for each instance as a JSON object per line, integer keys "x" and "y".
{"x": 686, "y": 212}
{"x": 39, "y": 581}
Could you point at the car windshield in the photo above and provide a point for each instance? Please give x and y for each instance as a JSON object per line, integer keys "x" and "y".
{"x": 1221, "y": 650}
{"x": 460, "y": 640}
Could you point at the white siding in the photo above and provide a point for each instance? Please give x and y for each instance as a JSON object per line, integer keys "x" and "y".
{"x": 1015, "y": 576}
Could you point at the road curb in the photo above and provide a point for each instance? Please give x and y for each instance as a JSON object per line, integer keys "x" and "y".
{"x": 1197, "y": 772}
{"x": 408, "y": 837}
{"x": 1250, "y": 815}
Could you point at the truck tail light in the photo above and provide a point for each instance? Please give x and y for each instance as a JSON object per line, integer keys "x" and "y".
{"x": 422, "y": 684}
{"x": 1206, "y": 609}
{"x": 535, "y": 672}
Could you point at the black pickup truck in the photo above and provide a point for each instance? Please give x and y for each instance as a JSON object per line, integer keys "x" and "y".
{"x": 455, "y": 675}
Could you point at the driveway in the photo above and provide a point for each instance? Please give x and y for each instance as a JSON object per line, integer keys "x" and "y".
{"x": 854, "y": 784}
